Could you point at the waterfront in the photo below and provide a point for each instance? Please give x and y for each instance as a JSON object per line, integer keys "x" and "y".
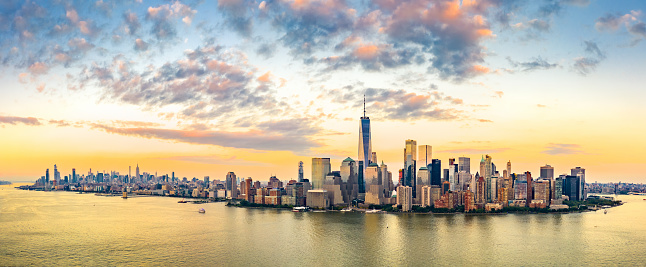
{"x": 64, "y": 228}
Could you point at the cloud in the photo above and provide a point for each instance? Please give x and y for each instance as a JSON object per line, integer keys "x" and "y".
{"x": 238, "y": 14}
{"x": 483, "y": 120}
{"x": 140, "y": 45}
{"x": 592, "y": 48}
{"x": 399, "y": 104}
{"x": 266, "y": 50}
{"x": 474, "y": 150}
{"x": 563, "y": 149}
{"x": 162, "y": 18}
{"x": 252, "y": 139}
{"x": 218, "y": 160}
{"x": 541, "y": 105}
{"x": 15, "y": 120}
{"x": 132, "y": 23}
{"x": 536, "y": 64}
{"x": 59, "y": 123}
{"x": 123, "y": 123}
{"x": 586, "y": 65}
{"x": 38, "y": 68}
{"x": 612, "y": 22}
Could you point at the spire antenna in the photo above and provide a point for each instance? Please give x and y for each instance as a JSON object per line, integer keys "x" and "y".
{"x": 364, "y": 105}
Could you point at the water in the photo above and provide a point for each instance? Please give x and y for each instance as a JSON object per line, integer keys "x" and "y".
{"x": 64, "y": 228}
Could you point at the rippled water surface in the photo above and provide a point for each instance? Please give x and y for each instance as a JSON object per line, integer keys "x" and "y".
{"x": 64, "y": 228}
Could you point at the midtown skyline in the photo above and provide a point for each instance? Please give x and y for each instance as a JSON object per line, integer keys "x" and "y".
{"x": 254, "y": 87}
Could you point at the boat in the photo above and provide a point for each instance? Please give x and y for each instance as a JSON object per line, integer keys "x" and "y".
{"x": 300, "y": 209}
{"x": 605, "y": 211}
{"x": 373, "y": 211}
{"x": 181, "y": 201}
{"x": 346, "y": 209}
{"x": 201, "y": 211}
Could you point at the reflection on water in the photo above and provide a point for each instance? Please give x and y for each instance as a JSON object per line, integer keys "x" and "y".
{"x": 62, "y": 228}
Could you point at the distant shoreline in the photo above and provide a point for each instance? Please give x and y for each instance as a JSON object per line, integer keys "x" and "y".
{"x": 5, "y": 182}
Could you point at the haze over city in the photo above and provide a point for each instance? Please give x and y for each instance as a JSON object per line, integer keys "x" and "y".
{"x": 207, "y": 87}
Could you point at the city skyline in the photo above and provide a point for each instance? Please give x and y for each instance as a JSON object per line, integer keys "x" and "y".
{"x": 254, "y": 87}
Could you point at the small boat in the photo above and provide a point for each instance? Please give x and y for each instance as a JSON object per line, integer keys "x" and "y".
{"x": 605, "y": 211}
{"x": 181, "y": 201}
{"x": 373, "y": 211}
{"x": 300, "y": 209}
{"x": 201, "y": 211}
{"x": 346, "y": 209}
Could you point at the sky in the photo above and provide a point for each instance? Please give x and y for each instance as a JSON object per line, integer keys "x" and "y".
{"x": 202, "y": 88}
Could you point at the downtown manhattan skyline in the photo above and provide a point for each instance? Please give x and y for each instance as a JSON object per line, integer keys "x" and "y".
{"x": 202, "y": 88}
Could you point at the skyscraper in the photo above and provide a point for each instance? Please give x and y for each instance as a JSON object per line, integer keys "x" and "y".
{"x": 300, "y": 172}
{"x": 464, "y": 164}
{"x": 436, "y": 171}
{"x": 320, "y": 168}
{"x": 365, "y": 143}
{"x": 578, "y": 171}
{"x": 231, "y": 185}
{"x": 425, "y": 155}
{"x": 547, "y": 172}
{"x": 57, "y": 175}
{"x": 137, "y": 172}
{"x": 410, "y": 163}
{"x": 509, "y": 168}
{"x": 485, "y": 165}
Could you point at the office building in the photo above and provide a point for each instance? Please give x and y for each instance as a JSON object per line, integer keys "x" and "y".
{"x": 436, "y": 171}
{"x": 318, "y": 199}
{"x": 578, "y": 171}
{"x": 320, "y": 168}
{"x": 231, "y": 185}
{"x": 464, "y": 164}
{"x": 365, "y": 143}
{"x": 425, "y": 155}
{"x": 547, "y": 172}
{"x": 410, "y": 164}
{"x": 300, "y": 172}
{"x": 405, "y": 197}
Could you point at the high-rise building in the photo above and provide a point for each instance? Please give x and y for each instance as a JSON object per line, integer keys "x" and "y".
{"x": 487, "y": 176}
{"x": 530, "y": 187}
{"x": 137, "y": 172}
{"x": 374, "y": 158}
{"x": 231, "y": 185}
{"x": 47, "y": 176}
{"x": 509, "y": 168}
{"x": 572, "y": 187}
{"x": 300, "y": 171}
{"x": 436, "y": 171}
{"x": 578, "y": 171}
{"x": 410, "y": 164}
{"x": 57, "y": 175}
{"x": 547, "y": 172}
{"x": 405, "y": 197}
{"x": 425, "y": 155}
{"x": 423, "y": 177}
{"x": 349, "y": 171}
{"x": 365, "y": 143}
{"x": 320, "y": 168}
{"x": 74, "y": 179}
{"x": 374, "y": 185}
{"x": 464, "y": 164}
{"x": 480, "y": 190}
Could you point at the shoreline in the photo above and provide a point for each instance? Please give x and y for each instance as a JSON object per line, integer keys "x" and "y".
{"x": 357, "y": 210}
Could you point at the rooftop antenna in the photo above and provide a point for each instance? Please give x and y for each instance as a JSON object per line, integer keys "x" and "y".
{"x": 364, "y": 105}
